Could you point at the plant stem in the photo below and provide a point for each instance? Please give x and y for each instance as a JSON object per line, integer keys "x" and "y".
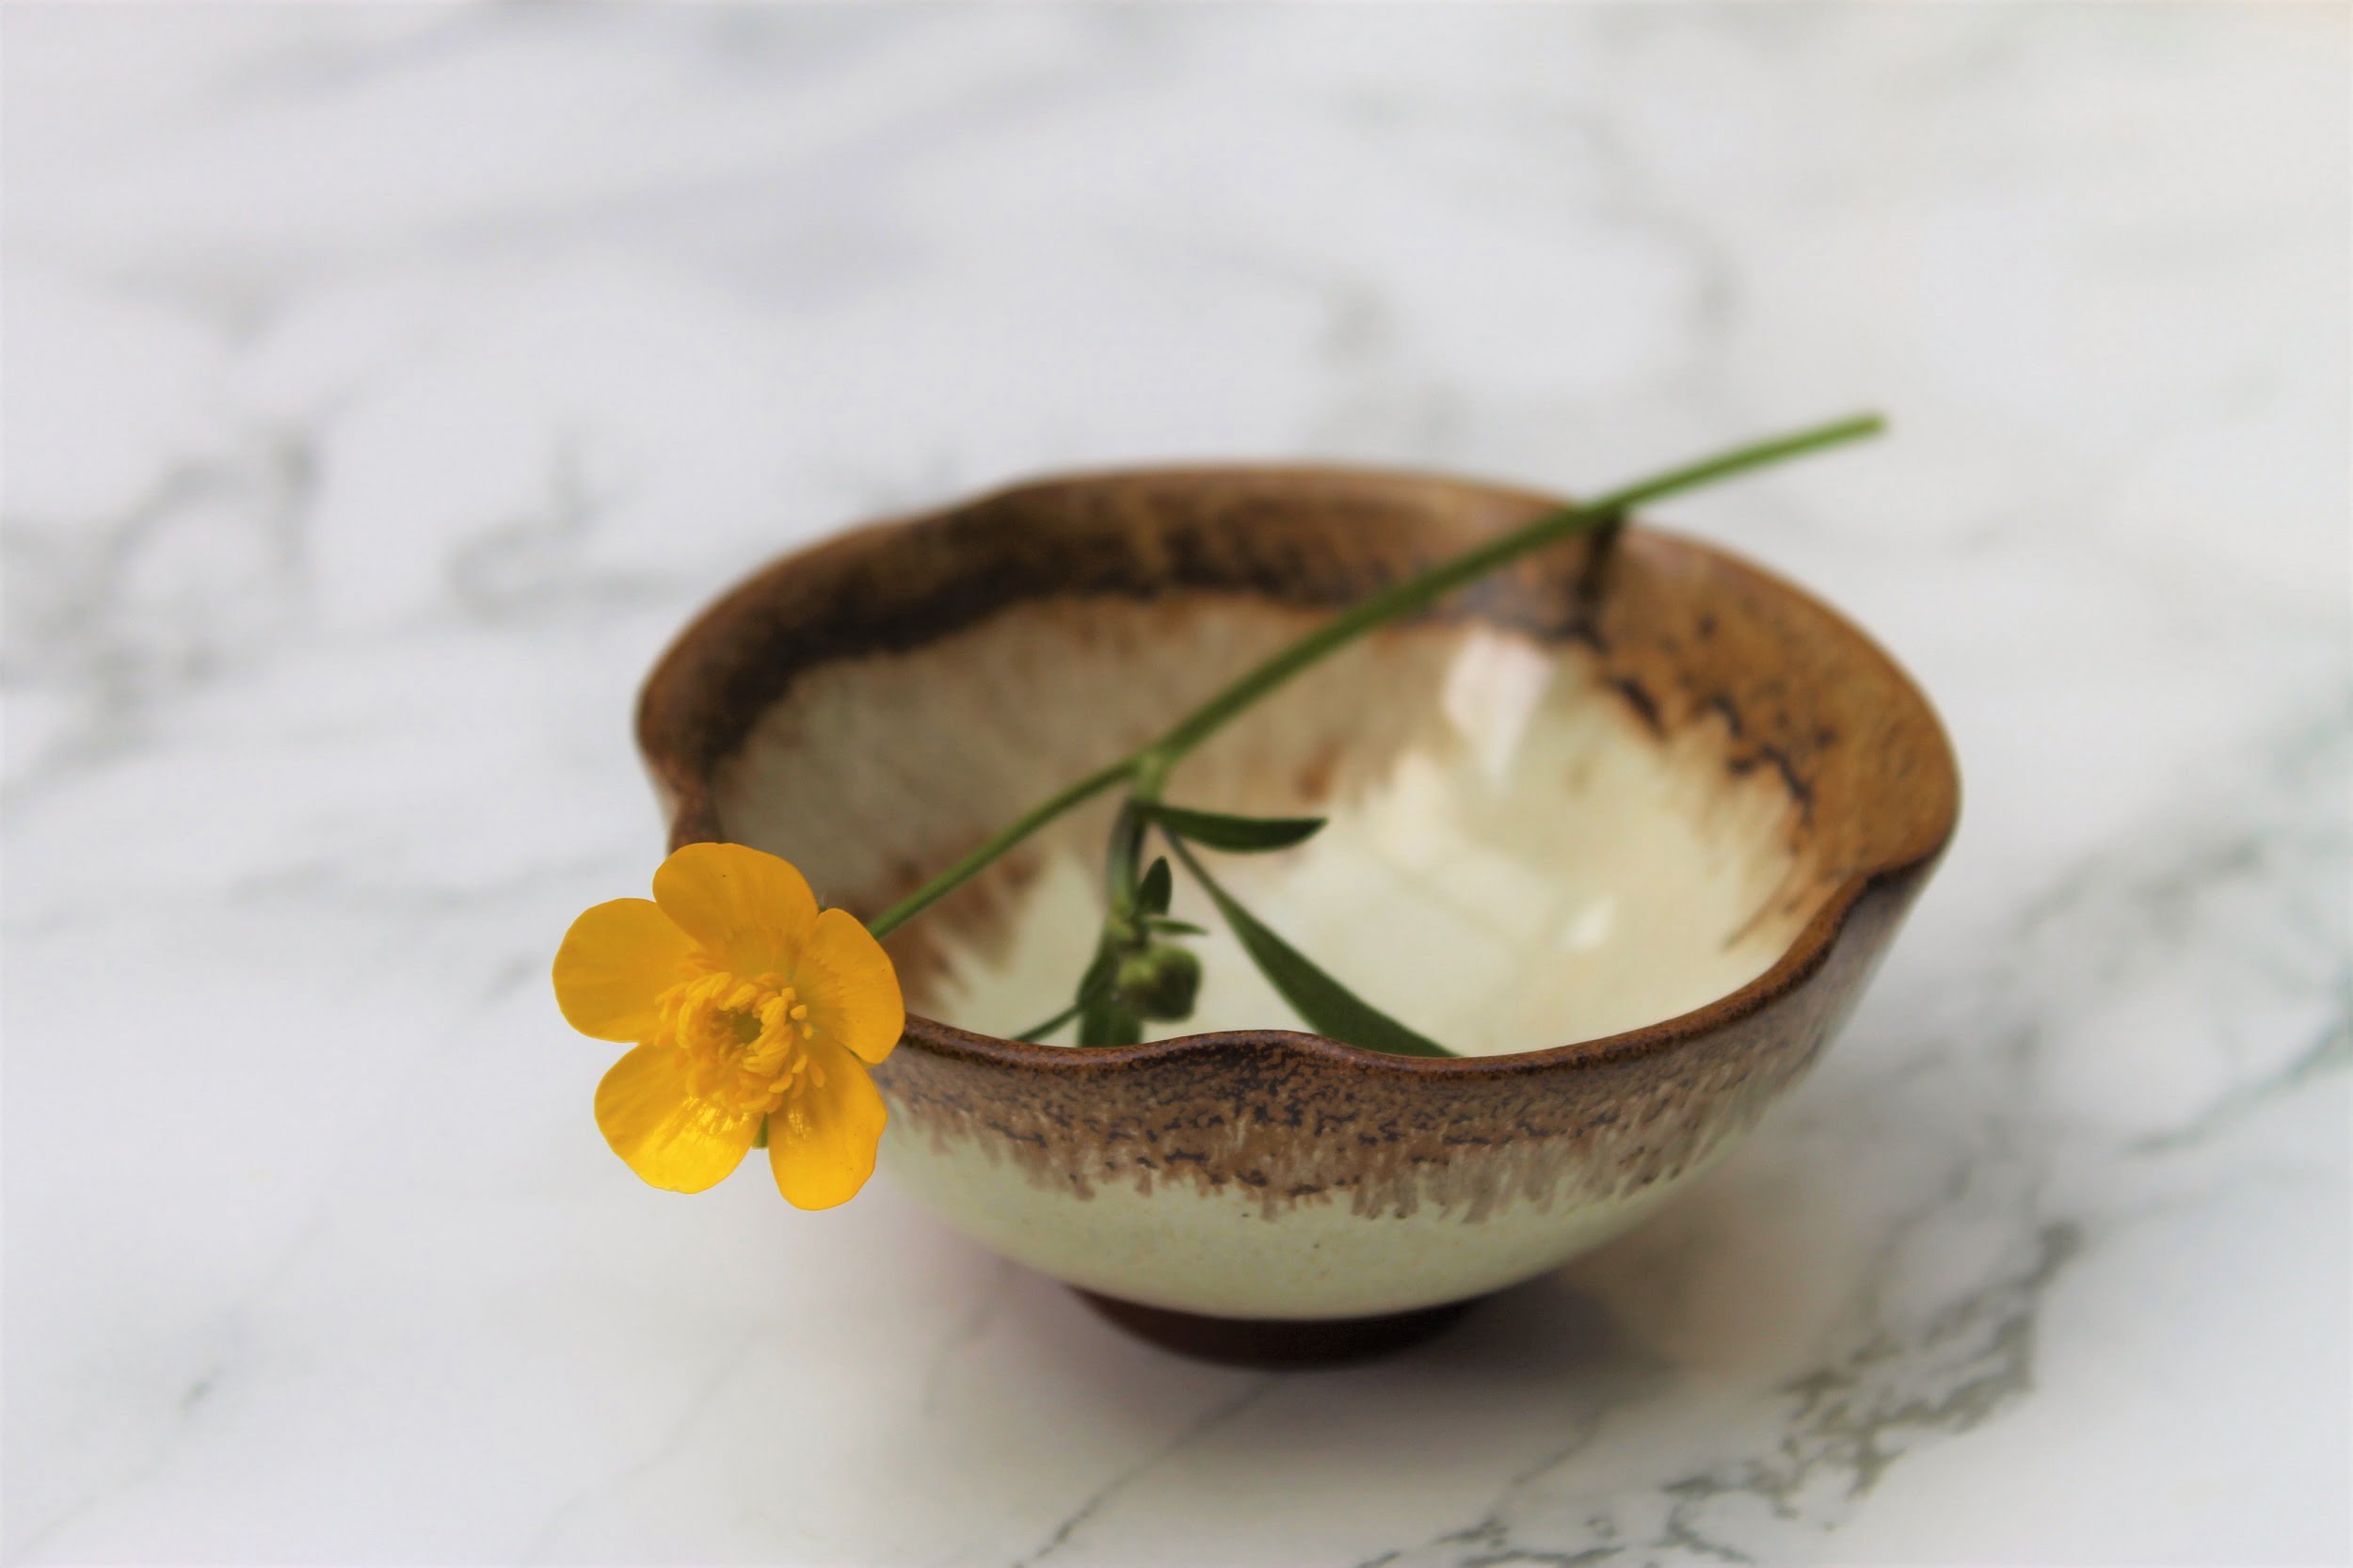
{"x": 1474, "y": 563}
{"x": 1147, "y": 767}
{"x": 996, "y": 844}
{"x": 1037, "y": 1033}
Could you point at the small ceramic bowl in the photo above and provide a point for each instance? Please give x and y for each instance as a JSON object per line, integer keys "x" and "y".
{"x": 1629, "y": 825}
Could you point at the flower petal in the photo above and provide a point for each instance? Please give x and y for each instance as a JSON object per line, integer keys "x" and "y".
{"x": 614, "y": 961}
{"x": 821, "y": 1145}
{"x": 650, "y": 1115}
{"x": 750, "y": 909}
{"x": 851, "y": 989}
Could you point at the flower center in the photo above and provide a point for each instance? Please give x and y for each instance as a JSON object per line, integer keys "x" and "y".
{"x": 745, "y": 1040}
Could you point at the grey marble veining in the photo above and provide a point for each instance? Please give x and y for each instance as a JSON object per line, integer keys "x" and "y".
{"x": 384, "y": 386}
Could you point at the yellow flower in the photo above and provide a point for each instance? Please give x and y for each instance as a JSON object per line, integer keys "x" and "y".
{"x": 748, "y": 1008}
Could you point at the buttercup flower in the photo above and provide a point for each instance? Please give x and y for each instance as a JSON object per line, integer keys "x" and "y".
{"x": 748, "y": 1008}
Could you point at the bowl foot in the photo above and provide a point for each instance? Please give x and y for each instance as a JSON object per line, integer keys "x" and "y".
{"x": 1275, "y": 1341}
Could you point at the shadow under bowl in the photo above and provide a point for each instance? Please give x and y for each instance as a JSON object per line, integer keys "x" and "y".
{"x": 1628, "y": 824}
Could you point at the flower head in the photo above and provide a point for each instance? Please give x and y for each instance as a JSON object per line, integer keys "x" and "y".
{"x": 748, "y": 1009}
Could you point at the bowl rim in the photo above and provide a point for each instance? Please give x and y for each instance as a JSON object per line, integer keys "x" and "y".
{"x": 692, "y": 818}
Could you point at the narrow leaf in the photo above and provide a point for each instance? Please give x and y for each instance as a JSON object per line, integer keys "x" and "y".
{"x": 1328, "y": 1006}
{"x": 1236, "y": 834}
{"x": 1167, "y": 927}
{"x": 1106, "y": 1023}
{"x": 1152, "y": 893}
{"x": 1101, "y": 1021}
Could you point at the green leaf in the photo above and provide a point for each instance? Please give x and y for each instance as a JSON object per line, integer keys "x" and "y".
{"x": 1328, "y": 1006}
{"x": 1152, "y": 893}
{"x": 1167, "y": 927}
{"x": 1101, "y": 1021}
{"x": 1107, "y": 1023}
{"x": 1099, "y": 970}
{"x": 1236, "y": 834}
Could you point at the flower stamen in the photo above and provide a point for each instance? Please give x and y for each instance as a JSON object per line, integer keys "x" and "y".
{"x": 738, "y": 1035}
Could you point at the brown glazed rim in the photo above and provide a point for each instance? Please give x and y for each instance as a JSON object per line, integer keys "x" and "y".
{"x": 694, "y": 815}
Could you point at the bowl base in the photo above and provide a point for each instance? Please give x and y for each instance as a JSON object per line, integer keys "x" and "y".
{"x": 1278, "y": 1342}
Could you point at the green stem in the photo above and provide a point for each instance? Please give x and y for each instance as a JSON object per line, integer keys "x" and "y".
{"x": 996, "y": 844}
{"x": 1439, "y": 581}
{"x": 1037, "y": 1033}
{"x": 1148, "y": 766}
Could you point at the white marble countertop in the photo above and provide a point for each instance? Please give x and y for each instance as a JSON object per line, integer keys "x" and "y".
{"x": 384, "y": 387}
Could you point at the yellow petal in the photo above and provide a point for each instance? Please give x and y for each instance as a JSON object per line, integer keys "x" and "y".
{"x": 852, "y": 991}
{"x": 821, "y": 1145}
{"x": 745, "y": 907}
{"x": 652, "y": 1119}
{"x": 614, "y": 961}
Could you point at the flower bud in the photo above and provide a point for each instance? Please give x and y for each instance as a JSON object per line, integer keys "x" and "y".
{"x": 1159, "y": 982}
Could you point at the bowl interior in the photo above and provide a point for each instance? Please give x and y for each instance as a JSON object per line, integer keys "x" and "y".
{"x": 1518, "y": 856}
{"x": 1596, "y": 791}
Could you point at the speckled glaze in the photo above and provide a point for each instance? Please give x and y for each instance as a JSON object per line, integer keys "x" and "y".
{"x": 872, "y": 707}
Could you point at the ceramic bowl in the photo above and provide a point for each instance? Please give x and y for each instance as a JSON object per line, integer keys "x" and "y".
{"x": 1629, "y": 825}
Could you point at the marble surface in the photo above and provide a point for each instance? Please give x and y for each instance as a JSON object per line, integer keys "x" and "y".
{"x": 383, "y": 387}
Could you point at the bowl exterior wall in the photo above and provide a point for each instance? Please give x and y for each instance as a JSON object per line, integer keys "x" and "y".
{"x": 1272, "y": 1176}
{"x": 1219, "y": 1253}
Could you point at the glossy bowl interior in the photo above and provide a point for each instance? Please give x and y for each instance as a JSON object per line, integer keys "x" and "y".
{"x": 1513, "y": 860}
{"x": 1625, "y": 824}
